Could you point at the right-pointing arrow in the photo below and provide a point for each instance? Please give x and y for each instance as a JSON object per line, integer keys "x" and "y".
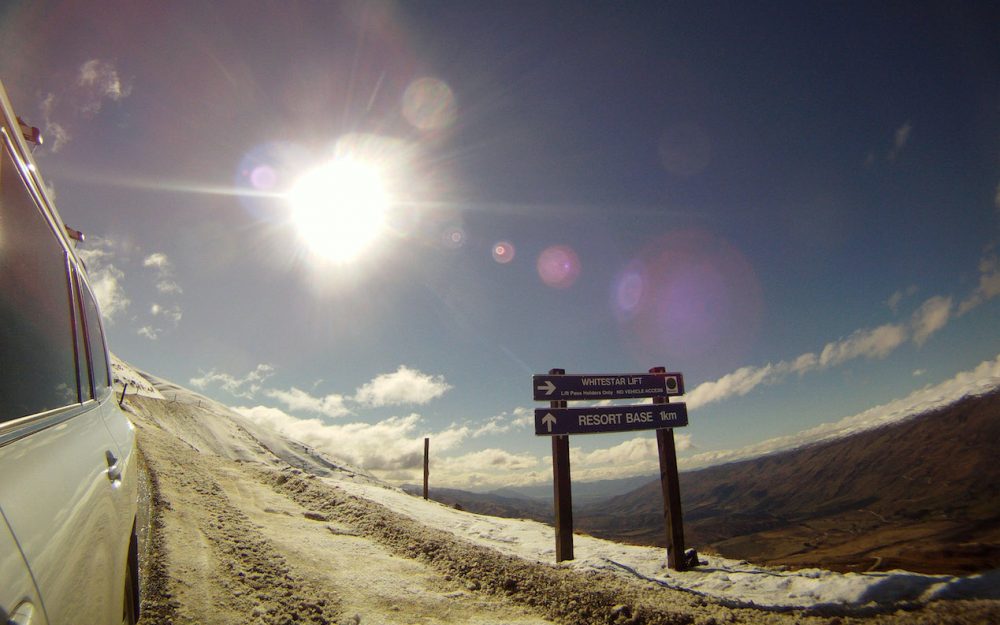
{"x": 548, "y": 387}
{"x": 548, "y": 420}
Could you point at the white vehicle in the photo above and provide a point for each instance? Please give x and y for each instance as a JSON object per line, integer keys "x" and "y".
{"x": 68, "y": 468}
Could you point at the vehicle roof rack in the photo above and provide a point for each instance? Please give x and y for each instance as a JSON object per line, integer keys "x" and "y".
{"x": 30, "y": 133}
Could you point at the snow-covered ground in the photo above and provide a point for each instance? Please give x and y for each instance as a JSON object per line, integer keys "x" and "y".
{"x": 226, "y": 433}
{"x": 732, "y": 581}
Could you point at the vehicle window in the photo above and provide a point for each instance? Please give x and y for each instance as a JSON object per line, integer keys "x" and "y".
{"x": 82, "y": 349}
{"x": 36, "y": 330}
{"x": 98, "y": 347}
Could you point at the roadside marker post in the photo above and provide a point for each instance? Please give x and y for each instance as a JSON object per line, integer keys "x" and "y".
{"x": 558, "y": 422}
{"x": 427, "y": 473}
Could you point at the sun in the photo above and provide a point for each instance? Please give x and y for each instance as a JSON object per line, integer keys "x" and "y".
{"x": 339, "y": 209}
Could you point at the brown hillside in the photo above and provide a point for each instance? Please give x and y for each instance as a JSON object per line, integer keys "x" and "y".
{"x": 923, "y": 495}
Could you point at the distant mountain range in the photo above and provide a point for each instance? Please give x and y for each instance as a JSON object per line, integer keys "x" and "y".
{"x": 921, "y": 494}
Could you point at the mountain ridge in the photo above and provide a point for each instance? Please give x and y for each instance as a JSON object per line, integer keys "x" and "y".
{"x": 921, "y": 493}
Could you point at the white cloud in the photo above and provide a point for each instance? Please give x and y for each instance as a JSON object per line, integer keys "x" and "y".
{"x": 105, "y": 278}
{"x": 900, "y": 139}
{"x": 523, "y": 417}
{"x": 296, "y": 399}
{"x": 55, "y": 134}
{"x": 245, "y": 386}
{"x": 867, "y": 343}
{"x": 157, "y": 259}
{"x": 392, "y": 448}
{"x": 804, "y": 363}
{"x": 932, "y": 315}
{"x": 897, "y": 297}
{"x": 168, "y": 287}
{"x": 919, "y": 372}
{"x": 636, "y": 456}
{"x": 100, "y": 81}
{"x": 485, "y": 469}
{"x": 988, "y": 287}
{"x": 148, "y": 332}
{"x": 874, "y": 343}
{"x": 404, "y": 386}
{"x": 517, "y": 419}
{"x": 486, "y": 462}
{"x": 97, "y": 82}
{"x": 165, "y": 284}
{"x": 737, "y": 383}
{"x": 170, "y": 312}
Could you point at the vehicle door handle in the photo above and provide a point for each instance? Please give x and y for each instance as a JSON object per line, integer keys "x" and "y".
{"x": 21, "y": 615}
{"x": 114, "y": 467}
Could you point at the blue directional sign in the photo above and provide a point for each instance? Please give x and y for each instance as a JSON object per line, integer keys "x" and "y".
{"x": 606, "y": 386}
{"x": 559, "y": 421}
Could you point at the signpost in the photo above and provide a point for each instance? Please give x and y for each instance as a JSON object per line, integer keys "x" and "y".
{"x": 559, "y": 422}
{"x": 606, "y": 386}
{"x": 556, "y": 421}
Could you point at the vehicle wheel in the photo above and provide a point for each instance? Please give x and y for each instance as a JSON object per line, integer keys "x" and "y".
{"x": 130, "y": 603}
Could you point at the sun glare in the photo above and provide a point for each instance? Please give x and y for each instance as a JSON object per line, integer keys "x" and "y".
{"x": 339, "y": 209}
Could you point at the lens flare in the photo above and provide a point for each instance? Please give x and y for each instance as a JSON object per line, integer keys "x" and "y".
{"x": 453, "y": 238}
{"x": 558, "y": 266}
{"x": 503, "y": 252}
{"x": 690, "y": 296}
{"x": 685, "y": 149}
{"x": 262, "y": 173}
{"x": 628, "y": 291}
{"x": 263, "y": 178}
{"x": 429, "y": 104}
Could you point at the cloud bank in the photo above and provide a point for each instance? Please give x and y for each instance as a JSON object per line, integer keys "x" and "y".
{"x": 405, "y": 386}
{"x": 931, "y": 316}
{"x": 982, "y": 379}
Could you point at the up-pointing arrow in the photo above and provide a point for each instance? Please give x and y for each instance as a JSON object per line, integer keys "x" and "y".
{"x": 548, "y": 420}
{"x": 548, "y": 387}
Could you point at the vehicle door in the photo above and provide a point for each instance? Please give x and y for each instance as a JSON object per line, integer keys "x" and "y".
{"x": 19, "y": 603}
{"x": 56, "y": 490}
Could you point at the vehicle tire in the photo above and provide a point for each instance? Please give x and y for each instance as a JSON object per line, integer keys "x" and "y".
{"x": 130, "y": 602}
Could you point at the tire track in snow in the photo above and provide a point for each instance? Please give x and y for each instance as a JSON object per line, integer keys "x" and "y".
{"x": 216, "y": 566}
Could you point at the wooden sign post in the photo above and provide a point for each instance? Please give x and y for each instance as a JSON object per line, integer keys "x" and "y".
{"x": 670, "y": 485}
{"x": 562, "y": 490}
{"x": 558, "y": 422}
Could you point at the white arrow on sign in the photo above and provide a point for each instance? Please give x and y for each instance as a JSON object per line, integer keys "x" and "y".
{"x": 548, "y": 420}
{"x": 548, "y": 387}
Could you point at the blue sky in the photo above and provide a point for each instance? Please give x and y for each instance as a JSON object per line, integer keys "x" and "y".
{"x": 796, "y": 206}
